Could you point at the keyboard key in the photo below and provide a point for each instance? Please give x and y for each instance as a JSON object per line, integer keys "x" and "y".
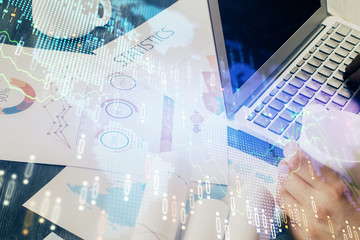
{"x": 319, "y": 78}
{"x": 345, "y": 93}
{"x": 294, "y": 107}
{"x": 318, "y": 44}
{"x": 330, "y": 31}
{"x": 281, "y": 84}
{"x": 337, "y": 37}
{"x": 343, "y": 30}
{"x": 342, "y": 68}
{"x": 347, "y": 46}
{"x": 352, "y": 40}
{"x": 287, "y": 77}
{"x": 327, "y": 50}
{"x": 274, "y": 92}
{"x": 322, "y": 97}
{"x": 342, "y": 52}
{"x": 277, "y": 105}
{"x": 355, "y": 34}
{"x": 303, "y": 76}
{"x": 259, "y": 108}
{"x": 336, "y": 25}
{"x": 321, "y": 56}
{"x": 333, "y": 106}
{"x": 269, "y": 113}
{"x": 315, "y": 62}
{"x": 334, "y": 83}
{"x": 347, "y": 61}
{"x": 331, "y": 65}
{"x": 291, "y": 90}
{"x": 294, "y": 70}
{"x": 262, "y": 121}
{"x": 331, "y": 43}
{"x": 323, "y": 38}
{"x": 266, "y": 100}
{"x": 313, "y": 49}
{"x": 357, "y": 49}
{"x": 278, "y": 126}
{"x": 300, "y": 63}
{"x": 296, "y": 83}
{"x": 341, "y": 101}
{"x": 339, "y": 76}
{"x": 353, "y": 55}
{"x": 251, "y": 116}
{"x": 337, "y": 58}
{"x": 306, "y": 56}
{"x": 299, "y": 120}
{"x": 287, "y": 115}
{"x": 283, "y": 97}
{"x": 293, "y": 132}
{"x": 301, "y": 100}
{"x": 307, "y": 92}
{"x": 309, "y": 69}
{"x": 325, "y": 71}
{"x": 353, "y": 106}
{"x": 313, "y": 85}
{"x": 315, "y": 101}
{"x": 328, "y": 90}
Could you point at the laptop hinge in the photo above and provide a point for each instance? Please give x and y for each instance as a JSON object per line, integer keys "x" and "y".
{"x": 285, "y": 65}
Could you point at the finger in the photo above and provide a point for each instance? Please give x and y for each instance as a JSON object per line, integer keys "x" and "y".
{"x": 329, "y": 176}
{"x": 304, "y": 167}
{"x": 353, "y": 66}
{"x": 290, "y": 149}
{"x": 354, "y": 81}
{"x": 301, "y": 165}
{"x": 288, "y": 203}
{"x": 284, "y": 198}
{"x": 298, "y": 188}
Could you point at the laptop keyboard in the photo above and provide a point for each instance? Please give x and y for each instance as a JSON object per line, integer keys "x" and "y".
{"x": 317, "y": 78}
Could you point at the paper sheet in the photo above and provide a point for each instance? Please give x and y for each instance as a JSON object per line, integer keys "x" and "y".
{"x": 111, "y": 204}
{"x": 113, "y": 130}
{"x": 90, "y": 111}
{"x": 53, "y": 236}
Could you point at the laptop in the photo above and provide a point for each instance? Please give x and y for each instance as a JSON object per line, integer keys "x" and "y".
{"x": 277, "y": 57}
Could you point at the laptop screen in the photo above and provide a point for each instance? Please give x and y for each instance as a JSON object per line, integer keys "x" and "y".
{"x": 254, "y": 30}
{"x": 254, "y": 39}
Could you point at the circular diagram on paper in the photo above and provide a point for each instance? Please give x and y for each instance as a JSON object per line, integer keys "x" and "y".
{"x": 114, "y": 140}
{"x": 122, "y": 82}
{"x": 119, "y": 110}
{"x": 14, "y": 101}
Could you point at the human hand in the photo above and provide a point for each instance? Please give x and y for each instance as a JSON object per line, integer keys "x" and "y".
{"x": 353, "y": 74}
{"x": 319, "y": 203}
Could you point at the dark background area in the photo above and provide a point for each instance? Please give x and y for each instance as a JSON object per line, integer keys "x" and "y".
{"x": 14, "y": 217}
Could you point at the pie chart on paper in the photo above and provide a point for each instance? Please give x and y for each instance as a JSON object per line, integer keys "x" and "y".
{"x": 16, "y": 98}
